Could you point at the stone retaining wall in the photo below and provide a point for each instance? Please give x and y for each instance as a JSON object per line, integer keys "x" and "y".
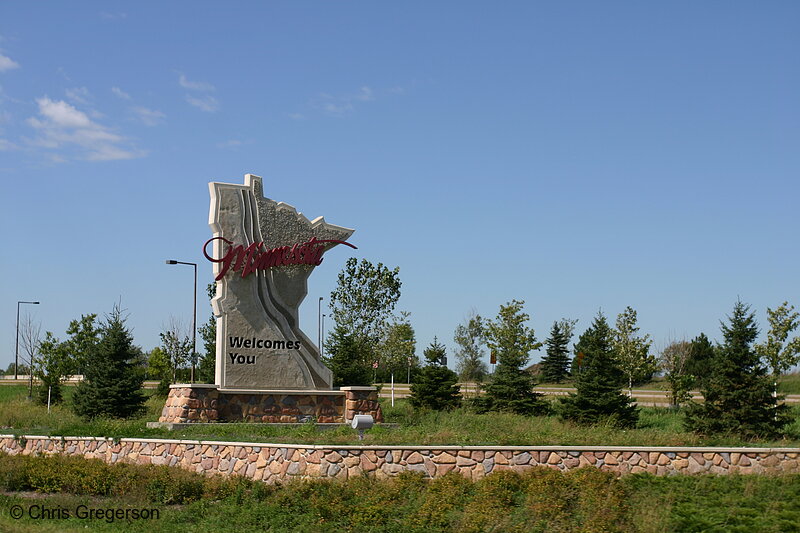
{"x": 277, "y": 462}
{"x": 206, "y": 403}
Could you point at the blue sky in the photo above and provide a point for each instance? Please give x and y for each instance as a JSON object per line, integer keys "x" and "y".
{"x": 575, "y": 155}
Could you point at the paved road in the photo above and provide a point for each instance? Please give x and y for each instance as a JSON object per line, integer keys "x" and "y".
{"x": 643, "y": 397}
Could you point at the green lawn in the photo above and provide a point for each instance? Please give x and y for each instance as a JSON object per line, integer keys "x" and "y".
{"x": 657, "y": 427}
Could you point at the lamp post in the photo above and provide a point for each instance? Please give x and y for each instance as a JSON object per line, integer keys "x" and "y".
{"x": 319, "y": 324}
{"x": 16, "y": 347}
{"x": 194, "y": 311}
{"x": 322, "y": 330}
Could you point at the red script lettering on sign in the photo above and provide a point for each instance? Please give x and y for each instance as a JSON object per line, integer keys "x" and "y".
{"x": 259, "y": 257}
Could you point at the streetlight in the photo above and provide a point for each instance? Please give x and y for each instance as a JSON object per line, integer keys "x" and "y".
{"x": 16, "y": 348}
{"x": 319, "y": 324}
{"x": 322, "y": 329}
{"x": 194, "y": 311}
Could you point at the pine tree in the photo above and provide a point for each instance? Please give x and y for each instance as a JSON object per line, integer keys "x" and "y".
{"x": 511, "y": 388}
{"x": 555, "y": 365}
{"x": 112, "y": 384}
{"x": 738, "y": 393}
{"x": 699, "y": 364}
{"x": 346, "y": 357}
{"x": 598, "y": 382}
{"x": 436, "y": 385}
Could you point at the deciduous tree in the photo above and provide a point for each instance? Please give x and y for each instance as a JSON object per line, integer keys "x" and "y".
{"x": 83, "y": 336}
{"x": 511, "y": 388}
{"x": 778, "y": 351}
{"x": 177, "y": 346}
{"x": 397, "y": 351}
{"x": 364, "y": 298}
{"x": 633, "y": 351}
{"x": 674, "y": 360}
{"x": 52, "y": 366}
{"x": 470, "y": 338}
{"x": 206, "y": 369}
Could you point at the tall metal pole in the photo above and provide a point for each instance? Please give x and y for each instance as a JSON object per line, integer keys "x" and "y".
{"x": 321, "y": 348}
{"x": 194, "y": 323}
{"x": 16, "y": 347}
{"x": 194, "y": 311}
{"x": 319, "y": 324}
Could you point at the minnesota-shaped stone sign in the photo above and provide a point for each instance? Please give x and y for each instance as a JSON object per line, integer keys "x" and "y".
{"x": 263, "y": 252}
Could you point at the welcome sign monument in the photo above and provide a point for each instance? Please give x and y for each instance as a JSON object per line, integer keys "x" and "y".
{"x": 267, "y": 369}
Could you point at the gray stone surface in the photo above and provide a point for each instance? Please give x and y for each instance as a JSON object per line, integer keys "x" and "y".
{"x": 262, "y": 306}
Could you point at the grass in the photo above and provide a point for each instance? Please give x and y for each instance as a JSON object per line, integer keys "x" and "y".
{"x": 657, "y": 427}
{"x": 538, "y": 500}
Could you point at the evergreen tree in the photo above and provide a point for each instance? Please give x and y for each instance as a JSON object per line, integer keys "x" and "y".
{"x": 598, "y": 382}
{"x": 112, "y": 384}
{"x": 435, "y": 386}
{"x": 555, "y": 365}
{"x": 511, "y": 388}
{"x": 346, "y": 357}
{"x": 738, "y": 393}
{"x": 700, "y": 357}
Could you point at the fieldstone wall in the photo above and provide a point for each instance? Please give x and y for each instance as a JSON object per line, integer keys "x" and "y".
{"x": 193, "y": 403}
{"x": 279, "y": 462}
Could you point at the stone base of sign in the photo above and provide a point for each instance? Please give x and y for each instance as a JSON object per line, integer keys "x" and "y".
{"x": 195, "y": 403}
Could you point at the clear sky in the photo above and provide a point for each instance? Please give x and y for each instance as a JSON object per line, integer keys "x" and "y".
{"x": 575, "y": 155}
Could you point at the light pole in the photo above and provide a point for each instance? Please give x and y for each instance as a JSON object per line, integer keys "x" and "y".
{"x": 319, "y": 324}
{"x": 16, "y": 347}
{"x": 322, "y": 330}
{"x": 194, "y": 311}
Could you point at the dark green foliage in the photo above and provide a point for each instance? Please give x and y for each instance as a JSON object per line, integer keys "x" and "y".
{"x": 112, "y": 380}
{"x": 555, "y": 365}
{"x": 347, "y": 358}
{"x": 699, "y": 364}
{"x": 738, "y": 392}
{"x": 51, "y": 391}
{"x": 511, "y": 388}
{"x": 435, "y": 386}
{"x": 206, "y": 369}
{"x": 599, "y": 382}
